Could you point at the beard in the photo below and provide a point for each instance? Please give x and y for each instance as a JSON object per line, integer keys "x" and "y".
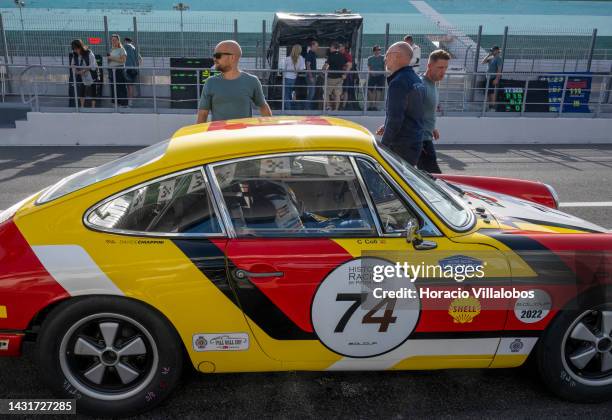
{"x": 221, "y": 68}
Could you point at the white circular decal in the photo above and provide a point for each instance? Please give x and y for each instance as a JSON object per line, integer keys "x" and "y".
{"x": 352, "y": 315}
{"x": 532, "y": 310}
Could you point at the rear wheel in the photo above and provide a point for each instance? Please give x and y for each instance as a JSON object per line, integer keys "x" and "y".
{"x": 114, "y": 355}
{"x": 575, "y": 356}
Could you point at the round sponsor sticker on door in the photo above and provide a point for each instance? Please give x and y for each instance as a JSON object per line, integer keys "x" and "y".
{"x": 352, "y": 315}
{"x": 532, "y": 310}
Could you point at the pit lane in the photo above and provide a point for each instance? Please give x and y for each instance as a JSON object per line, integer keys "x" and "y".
{"x": 580, "y": 174}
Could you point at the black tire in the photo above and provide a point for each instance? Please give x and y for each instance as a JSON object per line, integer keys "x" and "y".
{"x": 64, "y": 359}
{"x": 558, "y": 372}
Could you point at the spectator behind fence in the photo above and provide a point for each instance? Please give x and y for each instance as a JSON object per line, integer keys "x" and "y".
{"x": 376, "y": 82}
{"x": 494, "y": 62}
{"x": 229, "y": 94}
{"x": 294, "y": 63}
{"x": 348, "y": 79}
{"x": 415, "y": 61}
{"x": 436, "y": 70}
{"x": 403, "y": 129}
{"x": 334, "y": 65}
{"x": 83, "y": 63}
{"x": 132, "y": 63}
{"x": 311, "y": 76}
{"x": 116, "y": 73}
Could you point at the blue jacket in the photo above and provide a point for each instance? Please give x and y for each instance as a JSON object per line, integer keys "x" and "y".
{"x": 404, "y": 121}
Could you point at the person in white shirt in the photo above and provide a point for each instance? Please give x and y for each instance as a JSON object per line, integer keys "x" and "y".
{"x": 416, "y": 53}
{"x": 116, "y": 72}
{"x": 294, "y": 63}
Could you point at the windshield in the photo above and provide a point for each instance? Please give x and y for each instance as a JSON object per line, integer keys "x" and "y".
{"x": 427, "y": 188}
{"x": 108, "y": 170}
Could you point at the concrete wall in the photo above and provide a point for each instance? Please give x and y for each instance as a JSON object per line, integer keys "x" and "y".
{"x": 69, "y": 129}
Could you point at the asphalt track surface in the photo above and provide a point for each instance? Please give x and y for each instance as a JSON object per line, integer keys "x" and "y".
{"x": 580, "y": 174}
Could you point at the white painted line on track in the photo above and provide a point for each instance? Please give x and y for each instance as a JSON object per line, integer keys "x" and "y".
{"x": 587, "y": 204}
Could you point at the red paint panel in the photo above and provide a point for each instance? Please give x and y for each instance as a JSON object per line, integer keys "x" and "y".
{"x": 435, "y": 316}
{"x": 13, "y": 348}
{"x": 527, "y": 190}
{"x": 263, "y": 122}
{"x": 588, "y": 255}
{"x": 25, "y": 286}
{"x": 304, "y": 263}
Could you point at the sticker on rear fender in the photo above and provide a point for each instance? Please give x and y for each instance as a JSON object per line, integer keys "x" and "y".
{"x": 532, "y": 310}
{"x": 4, "y": 345}
{"x": 221, "y": 342}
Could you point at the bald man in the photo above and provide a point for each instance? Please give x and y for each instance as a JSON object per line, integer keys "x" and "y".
{"x": 229, "y": 94}
{"x": 403, "y": 129}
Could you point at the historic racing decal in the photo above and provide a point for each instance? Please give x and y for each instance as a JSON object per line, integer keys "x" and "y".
{"x": 221, "y": 342}
{"x": 350, "y": 320}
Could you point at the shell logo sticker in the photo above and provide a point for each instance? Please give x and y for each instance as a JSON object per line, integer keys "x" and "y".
{"x": 348, "y": 318}
{"x": 464, "y": 310}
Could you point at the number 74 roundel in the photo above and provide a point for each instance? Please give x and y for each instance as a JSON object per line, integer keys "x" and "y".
{"x": 349, "y": 320}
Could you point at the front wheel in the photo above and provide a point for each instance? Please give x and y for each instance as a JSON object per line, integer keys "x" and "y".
{"x": 575, "y": 355}
{"x": 114, "y": 355}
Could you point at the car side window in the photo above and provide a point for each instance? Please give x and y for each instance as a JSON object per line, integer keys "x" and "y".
{"x": 391, "y": 210}
{"x": 176, "y": 204}
{"x": 295, "y": 196}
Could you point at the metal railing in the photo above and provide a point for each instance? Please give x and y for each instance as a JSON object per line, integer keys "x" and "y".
{"x": 179, "y": 89}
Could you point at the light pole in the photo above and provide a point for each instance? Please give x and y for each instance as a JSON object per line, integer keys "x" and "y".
{"x": 20, "y": 5}
{"x": 181, "y": 7}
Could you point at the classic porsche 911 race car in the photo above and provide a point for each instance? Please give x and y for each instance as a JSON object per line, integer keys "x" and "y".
{"x": 272, "y": 244}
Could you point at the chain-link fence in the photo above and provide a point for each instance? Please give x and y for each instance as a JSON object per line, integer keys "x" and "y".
{"x": 38, "y": 37}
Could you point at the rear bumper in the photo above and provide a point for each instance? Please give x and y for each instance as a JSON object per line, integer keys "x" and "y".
{"x": 10, "y": 343}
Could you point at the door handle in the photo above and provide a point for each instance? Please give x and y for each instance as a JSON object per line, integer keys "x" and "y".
{"x": 242, "y": 274}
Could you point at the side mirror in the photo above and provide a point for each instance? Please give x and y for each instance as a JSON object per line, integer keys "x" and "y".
{"x": 414, "y": 237}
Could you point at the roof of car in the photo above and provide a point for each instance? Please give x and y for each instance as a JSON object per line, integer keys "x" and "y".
{"x": 221, "y": 140}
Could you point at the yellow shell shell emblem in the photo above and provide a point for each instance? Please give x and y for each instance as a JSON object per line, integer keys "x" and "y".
{"x": 464, "y": 310}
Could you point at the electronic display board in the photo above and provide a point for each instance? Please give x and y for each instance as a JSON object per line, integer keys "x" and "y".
{"x": 511, "y": 94}
{"x": 577, "y": 93}
{"x": 184, "y": 83}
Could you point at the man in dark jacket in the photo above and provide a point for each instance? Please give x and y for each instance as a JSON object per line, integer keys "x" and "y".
{"x": 403, "y": 129}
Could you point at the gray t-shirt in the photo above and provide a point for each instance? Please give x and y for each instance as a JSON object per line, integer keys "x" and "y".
{"x": 230, "y": 99}
{"x": 430, "y": 103}
{"x": 132, "y": 55}
{"x": 376, "y": 63}
{"x": 494, "y": 65}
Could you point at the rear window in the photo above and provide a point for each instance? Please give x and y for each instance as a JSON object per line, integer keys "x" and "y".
{"x": 90, "y": 176}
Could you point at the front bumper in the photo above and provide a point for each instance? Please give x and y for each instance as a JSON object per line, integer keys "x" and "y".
{"x": 10, "y": 343}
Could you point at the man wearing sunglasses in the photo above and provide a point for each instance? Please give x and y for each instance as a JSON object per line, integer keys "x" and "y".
{"x": 229, "y": 94}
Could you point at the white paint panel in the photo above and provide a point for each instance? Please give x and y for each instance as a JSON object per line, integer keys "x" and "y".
{"x": 74, "y": 269}
{"x": 411, "y": 348}
{"x": 516, "y": 345}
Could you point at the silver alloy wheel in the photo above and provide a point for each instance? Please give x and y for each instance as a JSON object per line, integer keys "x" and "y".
{"x": 586, "y": 349}
{"x": 108, "y": 356}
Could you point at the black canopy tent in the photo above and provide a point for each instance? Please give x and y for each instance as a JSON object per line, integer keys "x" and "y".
{"x": 297, "y": 28}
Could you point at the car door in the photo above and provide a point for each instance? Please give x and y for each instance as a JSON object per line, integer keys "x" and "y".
{"x": 308, "y": 233}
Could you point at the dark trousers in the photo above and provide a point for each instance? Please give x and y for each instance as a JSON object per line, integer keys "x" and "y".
{"x": 407, "y": 150}
{"x": 121, "y": 85}
{"x": 428, "y": 161}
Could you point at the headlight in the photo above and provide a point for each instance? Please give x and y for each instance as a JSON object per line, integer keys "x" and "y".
{"x": 554, "y": 195}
